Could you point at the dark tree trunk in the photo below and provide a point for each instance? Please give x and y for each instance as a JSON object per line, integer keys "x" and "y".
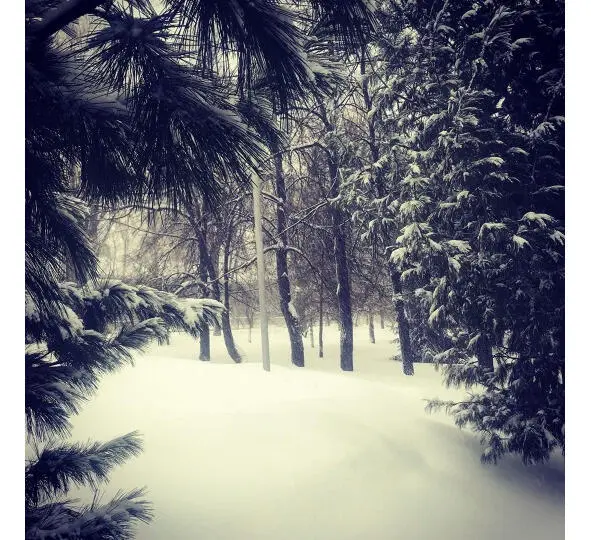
{"x": 204, "y": 343}
{"x": 342, "y": 274}
{"x": 382, "y": 325}
{"x": 291, "y": 319}
{"x": 372, "y": 334}
{"x": 312, "y": 335}
{"x": 204, "y": 338}
{"x": 484, "y": 353}
{"x": 226, "y": 326}
{"x": 406, "y": 351}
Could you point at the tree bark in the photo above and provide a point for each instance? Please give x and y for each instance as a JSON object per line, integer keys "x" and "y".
{"x": 291, "y": 319}
{"x": 372, "y": 334}
{"x": 406, "y": 351}
{"x": 226, "y": 325}
{"x": 204, "y": 338}
{"x": 342, "y": 274}
{"x": 382, "y": 325}
{"x": 312, "y": 335}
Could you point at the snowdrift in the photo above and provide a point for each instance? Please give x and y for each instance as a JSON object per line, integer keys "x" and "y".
{"x": 234, "y": 452}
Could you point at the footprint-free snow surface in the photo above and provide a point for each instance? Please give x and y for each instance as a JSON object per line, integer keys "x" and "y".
{"x": 234, "y": 452}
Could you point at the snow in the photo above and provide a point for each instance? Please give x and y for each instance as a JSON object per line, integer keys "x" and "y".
{"x": 233, "y": 452}
{"x": 292, "y": 310}
{"x": 540, "y": 219}
{"x": 31, "y": 310}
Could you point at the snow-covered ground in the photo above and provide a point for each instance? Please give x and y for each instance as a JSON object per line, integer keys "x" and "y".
{"x": 233, "y": 452}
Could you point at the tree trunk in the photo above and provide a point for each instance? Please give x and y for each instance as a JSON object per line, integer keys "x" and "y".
{"x": 226, "y": 325}
{"x": 204, "y": 338}
{"x": 406, "y": 351}
{"x": 289, "y": 314}
{"x": 342, "y": 275}
{"x": 382, "y": 325}
{"x": 249, "y": 332}
{"x": 372, "y": 334}
{"x": 312, "y": 335}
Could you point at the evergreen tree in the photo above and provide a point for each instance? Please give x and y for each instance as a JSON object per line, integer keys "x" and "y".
{"x": 479, "y": 119}
{"x": 89, "y": 332}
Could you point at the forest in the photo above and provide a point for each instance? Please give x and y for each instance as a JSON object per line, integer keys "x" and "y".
{"x": 348, "y": 168}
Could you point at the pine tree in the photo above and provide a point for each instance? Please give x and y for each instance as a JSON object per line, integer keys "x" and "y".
{"x": 88, "y": 332}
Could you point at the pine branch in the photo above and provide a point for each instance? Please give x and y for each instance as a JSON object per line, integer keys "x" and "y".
{"x": 58, "y": 467}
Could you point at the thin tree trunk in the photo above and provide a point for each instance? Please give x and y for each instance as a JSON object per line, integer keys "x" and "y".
{"x": 372, "y": 334}
{"x": 260, "y": 259}
{"x": 406, "y": 351}
{"x": 226, "y": 325}
{"x": 312, "y": 335}
{"x": 204, "y": 338}
{"x": 249, "y": 332}
{"x": 382, "y": 322}
{"x": 342, "y": 275}
{"x": 289, "y": 314}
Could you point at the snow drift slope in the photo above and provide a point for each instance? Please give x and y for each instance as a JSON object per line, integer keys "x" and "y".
{"x": 234, "y": 452}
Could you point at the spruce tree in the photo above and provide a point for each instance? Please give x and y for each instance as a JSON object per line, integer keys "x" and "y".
{"x": 479, "y": 119}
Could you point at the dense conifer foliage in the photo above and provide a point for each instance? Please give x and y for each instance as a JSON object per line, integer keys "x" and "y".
{"x": 474, "y": 101}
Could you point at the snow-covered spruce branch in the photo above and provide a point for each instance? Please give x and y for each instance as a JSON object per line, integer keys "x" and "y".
{"x": 94, "y": 331}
